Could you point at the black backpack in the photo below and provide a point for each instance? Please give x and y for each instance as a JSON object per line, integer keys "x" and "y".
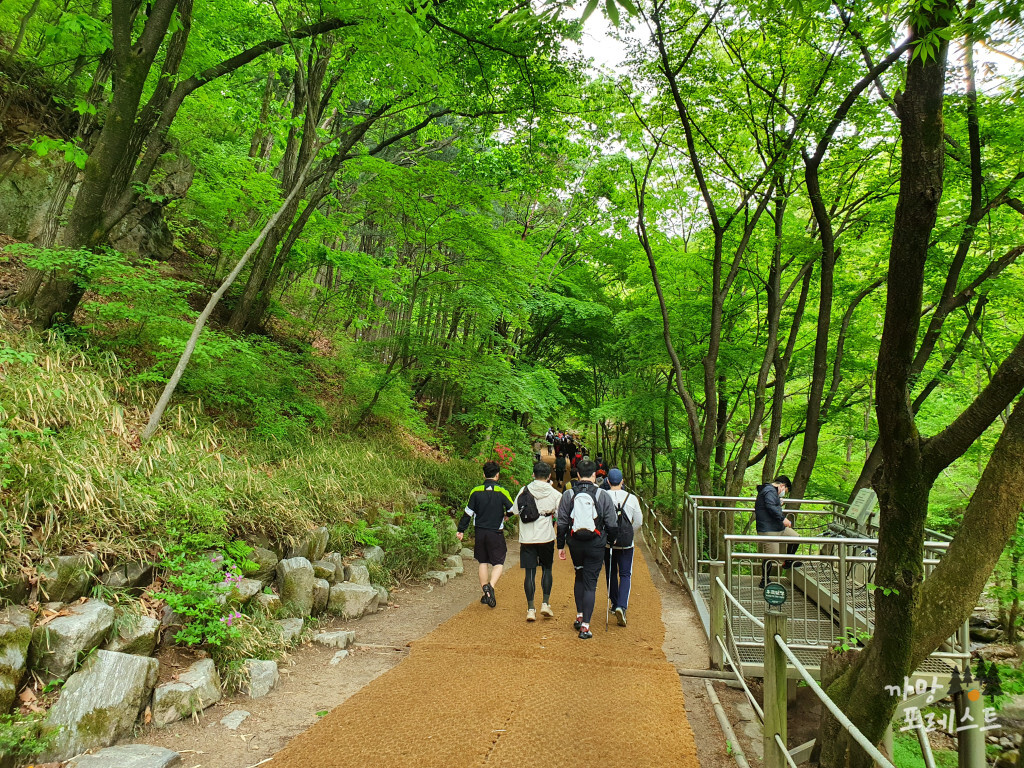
{"x": 528, "y": 511}
{"x": 624, "y": 535}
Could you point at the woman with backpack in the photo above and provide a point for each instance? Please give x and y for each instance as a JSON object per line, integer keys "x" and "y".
{"x": 587, "y": 523}
{"x": 536, "y": 505}
{"x": 618, "y": 559}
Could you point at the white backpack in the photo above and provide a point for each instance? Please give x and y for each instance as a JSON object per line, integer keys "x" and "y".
{"x": 586, "y": 522}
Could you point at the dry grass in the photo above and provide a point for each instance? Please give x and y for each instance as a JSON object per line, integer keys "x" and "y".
{"x": 74, "y": 476}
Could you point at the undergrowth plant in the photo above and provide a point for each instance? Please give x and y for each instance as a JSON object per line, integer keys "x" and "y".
{"x": 22, "y": 737}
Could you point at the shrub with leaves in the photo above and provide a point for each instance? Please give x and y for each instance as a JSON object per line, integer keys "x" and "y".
{"x": 22, "y": 737}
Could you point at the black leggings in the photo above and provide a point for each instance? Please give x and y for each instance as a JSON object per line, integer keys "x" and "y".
{"x": 530, "y": 584}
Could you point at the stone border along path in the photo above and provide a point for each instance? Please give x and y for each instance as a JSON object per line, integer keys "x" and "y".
{"x": 488, "y": 688}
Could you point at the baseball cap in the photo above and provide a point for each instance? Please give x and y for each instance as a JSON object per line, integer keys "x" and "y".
{"x": 615, "y": 476}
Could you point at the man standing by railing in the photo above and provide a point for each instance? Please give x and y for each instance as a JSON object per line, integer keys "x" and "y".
{"x": 772, "y": 521}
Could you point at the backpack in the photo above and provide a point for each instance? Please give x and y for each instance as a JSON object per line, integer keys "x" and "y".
{"x": 586, "y": 522}
{"x": 624, "y": 536}
{"x": 527, "y": 505}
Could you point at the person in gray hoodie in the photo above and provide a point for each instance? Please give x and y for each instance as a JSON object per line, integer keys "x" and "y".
{"x": 537, "y": 539}
{"x": 587, "y": 523}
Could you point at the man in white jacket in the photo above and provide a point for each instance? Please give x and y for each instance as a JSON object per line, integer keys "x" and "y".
{"x": 537, "y": 539}
{"x": 618, "y": 560}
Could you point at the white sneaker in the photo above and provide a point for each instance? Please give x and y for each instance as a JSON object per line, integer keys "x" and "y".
{"x": 546, "y": 612}
{"x": 531, "y": 614}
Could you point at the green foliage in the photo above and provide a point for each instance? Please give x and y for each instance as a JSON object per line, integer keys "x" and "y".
{"x": 414, "y": 542}
{"x": 201, "y": 570}
{"x": 22, "y": 737}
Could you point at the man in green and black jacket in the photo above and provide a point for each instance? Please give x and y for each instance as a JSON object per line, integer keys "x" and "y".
{"x": 489, "y": 504}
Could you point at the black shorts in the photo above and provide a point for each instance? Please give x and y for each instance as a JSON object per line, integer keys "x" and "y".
{"x": 490, "y": 546}
{"x": 532, "y": 555}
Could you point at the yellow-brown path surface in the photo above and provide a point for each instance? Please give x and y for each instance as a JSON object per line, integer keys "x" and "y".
{"x": 488, "y": 688}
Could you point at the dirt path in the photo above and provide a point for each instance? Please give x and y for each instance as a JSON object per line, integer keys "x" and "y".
{"x": 487, "y": 688}
{"x": 310, "y": 684}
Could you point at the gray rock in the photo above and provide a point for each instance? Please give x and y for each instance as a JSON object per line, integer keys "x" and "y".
{"x": 439, "y": 577}
{"x": 466, "y": 553}
{"x": 244, "y": 590}
{"x": 100, "y": 703}
{"x": 115, "y": 578}
{"x": 338, "y": 657}
{"x": 339, "y": 565}
{"x": 1006, "y": 743}
{"x": 382, "y": 596}
{"x": 195, "y": 689}
{"x": 66, "y": 578}
{"x": 985, "y": 635}
{"x": 260, "y": 677}
{"x": 312, "y": 546}
{"x": 267, "y": 562}
{"x": 138, "y": 639}
{"x": 352, "y": 600}
{"x": 321, "y": 595}
{"x": 235, "y": 719}
{"x": 15, "y": 638}
{"x": 373, "y": 555}
{"x": 128, "y": 756}
{"x": 291, "y": 629}
{"x": 270, "y": 603}
{"x": 338, "y": 639}
{"x": 17, "y": 590}
{"x": 57, "y": 646}
{"x": 326, "y": 570}
{"x": 453, "y": 563}
{"x": 139, "y": 575}
{"x": 295, "y": 585}
{"x": 1013, "y": 708}
{"x": 357, "y": 574}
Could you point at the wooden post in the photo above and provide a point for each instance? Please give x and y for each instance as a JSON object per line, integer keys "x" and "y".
{"x": 774, "y": 689}
{"x": 717, "y": 615}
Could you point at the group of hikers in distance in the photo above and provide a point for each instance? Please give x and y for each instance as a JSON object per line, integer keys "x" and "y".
{"x": 596, "y": 525}
{"x": 569, "y": 451}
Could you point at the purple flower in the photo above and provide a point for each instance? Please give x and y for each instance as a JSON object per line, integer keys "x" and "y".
{"x": 231, "y": 618}
{"x": 216, "y": 558}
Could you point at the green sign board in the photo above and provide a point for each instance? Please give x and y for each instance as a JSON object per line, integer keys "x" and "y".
{"x": 775, "y": 594}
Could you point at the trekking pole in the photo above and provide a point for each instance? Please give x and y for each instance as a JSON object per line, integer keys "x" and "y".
{"x": 608, "y": 588}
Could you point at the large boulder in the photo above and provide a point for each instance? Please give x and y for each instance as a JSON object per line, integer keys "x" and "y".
{"x": 321, "y": 595}
{"x": 128, "y": 756}
{"x": 17, "y": 589}
{"x": 351, "y": 601}
{"x": 357, "y": 574}
{"x": 267, "y": 562}
{"x": 1013, "y": 708}
{"x": 58, "y": 645}
{"x": 195, "y": 689}
{"x": 259, "y": 677}
{"x": 454, "y": 563}
{"x": 439, "y": 577}
{"x": 144, "y": 231}
{"x": 382, "y": 596}
{"x": 66, "y": 578}
{"x": 138, "y": 638}
{"x": 295, "y": 585}
{"x": 336, "y": 639}
{"x": 312, "y": 546}
{"x": 100, "y": 703}
{"x": 373, "y": 555}
{"x": 15, "y": 637}
{"x": 133, "y": 576}
{"x": 269, "y": 602}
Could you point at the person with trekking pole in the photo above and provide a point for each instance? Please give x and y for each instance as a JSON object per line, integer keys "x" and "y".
{"x": 587, "y": 524}
{"x": 618, "y": 559}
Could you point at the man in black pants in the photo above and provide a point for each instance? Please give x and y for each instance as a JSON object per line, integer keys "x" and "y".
{"x": 587, "y": 522}
{"x": 537, "y": 539}
{"x": 489, "y": 504}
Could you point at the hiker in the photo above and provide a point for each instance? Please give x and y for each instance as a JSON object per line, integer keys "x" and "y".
{"x": 536, "y": 450}
{"x": 560, "y": 469}
{"x": 489, "y": 504}
{"x": 574, "y": 476}
{"x": 587, "y": 523}
{"x": 602, "y": 465}
{"x": 618, "y": 558}
{"x": 772, "y": 521}
{"x": 536, "y": 505}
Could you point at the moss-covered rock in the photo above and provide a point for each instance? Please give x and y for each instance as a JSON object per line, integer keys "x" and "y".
{"x": 59, "y": 645}
{"x": 15, "y": 637}
{"x": 137, "y": 638}
{"x": 66, "y": 578}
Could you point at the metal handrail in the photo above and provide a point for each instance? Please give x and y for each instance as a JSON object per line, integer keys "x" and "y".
{"x": 789, "y": 757}
{"x": 737, "y": 669}
{"x": 830, "y": 705}
{"x": 732, "y": 598}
